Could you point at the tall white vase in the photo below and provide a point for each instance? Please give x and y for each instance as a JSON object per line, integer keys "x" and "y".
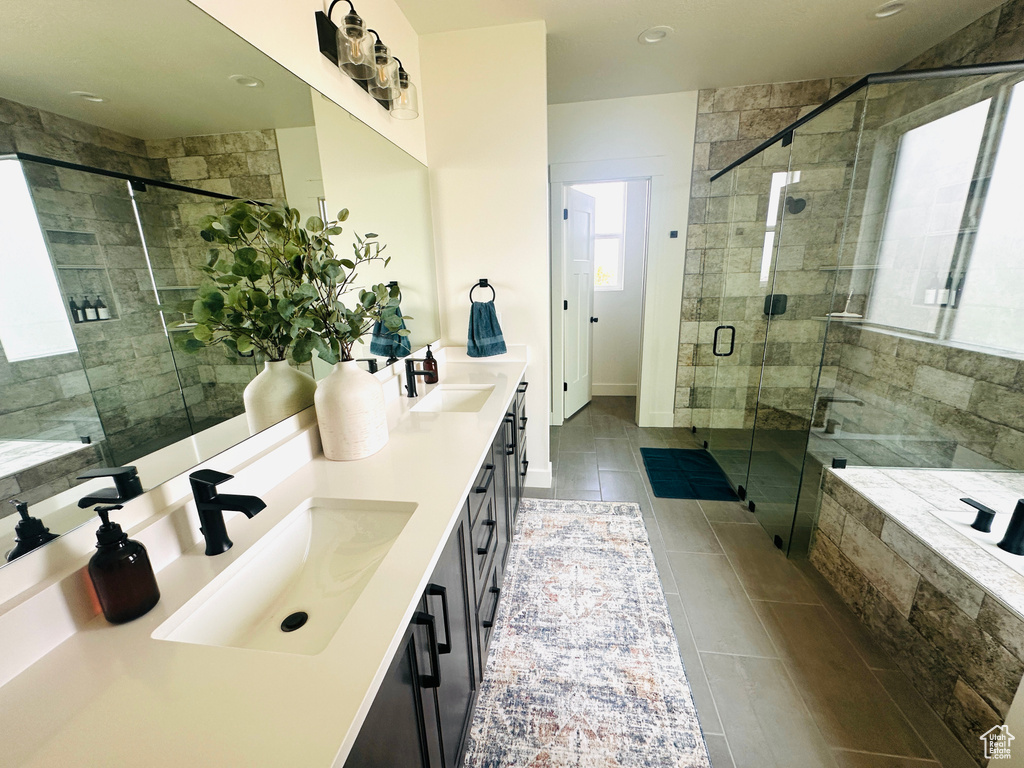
{"x": 350, "y": 412}
{"x": 279, "y": 391}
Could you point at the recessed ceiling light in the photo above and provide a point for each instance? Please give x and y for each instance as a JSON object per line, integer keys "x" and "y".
{"x": 246, "y": 81}
{"x": 86, "y": 96}
{"x": 891, "y": 8}
{"x": 654, "y": 35}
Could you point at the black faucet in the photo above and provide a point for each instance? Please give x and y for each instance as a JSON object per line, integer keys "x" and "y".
{"x": 1013, "y": 541}
{"x": 983, "y": 521}
{"x": 371, "y": 363}
{"x": 127, "y": 485}
{"x": 212, "y": 506}
{"x": 411, "y": 373}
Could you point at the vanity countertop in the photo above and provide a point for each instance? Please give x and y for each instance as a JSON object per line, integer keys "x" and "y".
{"x": 113, "y": 695}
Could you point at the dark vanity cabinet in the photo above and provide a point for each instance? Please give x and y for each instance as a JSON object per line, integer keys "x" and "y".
{"x": 401, "y": 727}
{"x": 422, "y": 713}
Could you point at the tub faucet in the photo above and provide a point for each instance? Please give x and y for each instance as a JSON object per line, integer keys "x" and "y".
{"x": 212, "y": 506}
{"x": 1013, "y": 541}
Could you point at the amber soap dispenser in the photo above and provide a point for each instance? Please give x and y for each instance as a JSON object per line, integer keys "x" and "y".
{"x": 121, "y": 573}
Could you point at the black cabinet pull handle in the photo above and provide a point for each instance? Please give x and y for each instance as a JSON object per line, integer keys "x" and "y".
{"x": 482, "y": 488}
{"x": 490, "y": 537}
{"x": 732, "y": 341}
{"x": 526, "y": 464}
{"x": 522, "y": 387}
{"x": 432, "y": 680}
{"x": 488, "y": 623}
{"x": 439, "y": 591}
{"x": 522, "y": 422}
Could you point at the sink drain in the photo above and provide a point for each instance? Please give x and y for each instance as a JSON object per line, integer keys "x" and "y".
{"x": 295, "y": 621}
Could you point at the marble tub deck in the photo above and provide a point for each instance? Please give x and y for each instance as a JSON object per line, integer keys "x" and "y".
{"x": 927, "y": 504}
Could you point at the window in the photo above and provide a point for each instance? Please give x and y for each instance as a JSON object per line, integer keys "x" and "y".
{"x": 991, "y": 295}
{"x": 934, "y": 167}
{"x": 949, "y": 260}
{"x": 610, "y": 224}
{"x": 33, "y": 320}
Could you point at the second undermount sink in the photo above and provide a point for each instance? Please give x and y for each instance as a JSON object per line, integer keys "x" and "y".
{"x": 455, "y": 399}
{"x": 317, "y": 561}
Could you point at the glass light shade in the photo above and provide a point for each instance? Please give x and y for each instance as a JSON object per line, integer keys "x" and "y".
{"x": 384, "y": 84}
{"x": 407, "y": 104}
{"x": 355, "y": 49}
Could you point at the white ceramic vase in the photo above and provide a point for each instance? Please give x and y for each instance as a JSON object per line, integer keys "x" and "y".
{"x": 350, "y": 412}
{"x": 277, "y": 392}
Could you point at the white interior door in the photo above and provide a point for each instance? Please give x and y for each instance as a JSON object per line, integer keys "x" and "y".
{"x": 578, "y": 299}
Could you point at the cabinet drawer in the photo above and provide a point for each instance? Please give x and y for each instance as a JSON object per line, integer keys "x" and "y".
{"x": 483, "y": 485}
{"x": 484, "y": 542}
{"x": 486, "y": 613}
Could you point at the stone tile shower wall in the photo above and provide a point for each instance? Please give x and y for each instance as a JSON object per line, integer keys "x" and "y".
{"x": 724, "y": 246}
{"x": 961, "y": 647}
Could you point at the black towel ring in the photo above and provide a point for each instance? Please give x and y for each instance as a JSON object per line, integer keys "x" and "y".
{"x": 482, "y": 284}
{"x": 391, "y": 285}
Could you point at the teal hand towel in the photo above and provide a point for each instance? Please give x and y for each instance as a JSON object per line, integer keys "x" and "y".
{"x": 485, "y": 339}
{"x": 387, "y": 343}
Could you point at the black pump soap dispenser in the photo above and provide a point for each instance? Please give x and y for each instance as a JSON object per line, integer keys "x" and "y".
{"x": 30, "y": 532}
{"x": 430, "y": 364}
{"x": 121, "y": 573}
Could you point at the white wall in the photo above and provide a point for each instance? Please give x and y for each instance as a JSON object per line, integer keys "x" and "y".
{"x": 300, "y": 169}
{"x": 487, "y": 142}
{"x": 386, "y": 192}
{"x": 633, "y": 137}
{"x": 286, "y": 31}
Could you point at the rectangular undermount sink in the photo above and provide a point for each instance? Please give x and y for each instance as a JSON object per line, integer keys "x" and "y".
{"x": 316, "y": 561}
{"x": 455, "y": 399}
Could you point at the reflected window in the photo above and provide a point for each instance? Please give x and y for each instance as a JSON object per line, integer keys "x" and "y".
{"x": 610, "y": 224}
{"x": 33, "y": 319}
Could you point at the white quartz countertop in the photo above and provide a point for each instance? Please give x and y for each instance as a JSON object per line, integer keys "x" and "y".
{"x": 113, "y": 695}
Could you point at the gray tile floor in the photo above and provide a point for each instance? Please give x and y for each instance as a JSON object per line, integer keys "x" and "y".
{"x": 782, "y": 672}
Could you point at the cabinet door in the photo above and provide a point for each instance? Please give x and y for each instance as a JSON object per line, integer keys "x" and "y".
{"x": 401, "y": 727}
{"x": 520, "y": 442}
{"x": 448, "y": 599}
{"x": 503, "y": 483}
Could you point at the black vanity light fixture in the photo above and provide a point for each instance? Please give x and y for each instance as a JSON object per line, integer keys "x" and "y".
{"x": 362, "y": 55}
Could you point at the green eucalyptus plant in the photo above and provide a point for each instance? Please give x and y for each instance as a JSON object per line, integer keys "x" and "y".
{"x": 274, "y": 286}
{"x": 337, "y": 327}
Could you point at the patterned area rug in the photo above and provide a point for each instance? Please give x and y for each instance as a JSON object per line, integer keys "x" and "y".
{"x": 584, "y": 670}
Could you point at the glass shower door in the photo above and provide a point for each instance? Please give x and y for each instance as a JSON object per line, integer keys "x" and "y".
{"x": 810, "y": 210}
{"x": 742, "y": 224}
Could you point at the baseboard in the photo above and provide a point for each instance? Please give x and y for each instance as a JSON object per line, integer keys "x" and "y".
{"x": 539, "y": 478}
{"x": 665, "y": 419}
{"x": 614, "y": 390}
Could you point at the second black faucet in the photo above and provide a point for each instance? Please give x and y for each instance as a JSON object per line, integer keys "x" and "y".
{"x": 212, "y": 506}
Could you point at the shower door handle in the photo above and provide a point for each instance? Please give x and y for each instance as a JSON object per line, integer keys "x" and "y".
{"x": 732, "y": 340}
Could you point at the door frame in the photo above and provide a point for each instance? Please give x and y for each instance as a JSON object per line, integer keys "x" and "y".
{"x": 662, "y": 288}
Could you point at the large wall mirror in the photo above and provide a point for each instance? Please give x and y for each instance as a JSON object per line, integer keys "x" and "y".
{"x": 90, "y": 374}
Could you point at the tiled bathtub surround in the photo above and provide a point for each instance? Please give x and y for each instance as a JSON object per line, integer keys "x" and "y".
{"x": 914, "y": 387}
{"x": 949, "y": 612}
